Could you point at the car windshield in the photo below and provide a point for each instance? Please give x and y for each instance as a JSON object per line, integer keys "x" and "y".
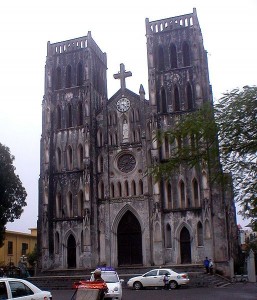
{"x": 110, "y": 278}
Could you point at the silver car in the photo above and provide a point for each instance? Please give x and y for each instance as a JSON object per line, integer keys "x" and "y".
{"x": 13, "y": 288}
{"x": 154, "y": 278}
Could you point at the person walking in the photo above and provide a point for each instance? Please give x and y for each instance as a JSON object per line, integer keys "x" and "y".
{"x": 206, "y": 263}
{"x": 166, "y": 281}
{"x": 211, "y": 266}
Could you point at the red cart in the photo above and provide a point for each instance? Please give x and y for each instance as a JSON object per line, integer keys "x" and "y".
{"x": 89, "y": 290}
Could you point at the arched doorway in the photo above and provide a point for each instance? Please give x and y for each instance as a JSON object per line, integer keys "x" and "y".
{"x": 71, "y": 252}
{"x": 185, "y": 246}
{"x": 129, "y": 239}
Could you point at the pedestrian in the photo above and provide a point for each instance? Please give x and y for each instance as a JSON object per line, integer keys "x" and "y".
{"x": 98, "y": 278}
{"x": 211, "y": 266}
{"x": 166, "y": 281}
{"x": 206, "y": 265}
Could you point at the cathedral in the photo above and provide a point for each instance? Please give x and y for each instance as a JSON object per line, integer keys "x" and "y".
{"x": 98, "y": 204}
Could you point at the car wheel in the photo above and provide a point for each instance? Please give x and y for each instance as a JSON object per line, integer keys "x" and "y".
{"x": 137, "y": 285}
{"x": 173, "y": 285}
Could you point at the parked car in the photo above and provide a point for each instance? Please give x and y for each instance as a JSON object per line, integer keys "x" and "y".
{"x": 114, "y": 284}
{"x": 154, "y": 278}
{"x": 13, "y": 288}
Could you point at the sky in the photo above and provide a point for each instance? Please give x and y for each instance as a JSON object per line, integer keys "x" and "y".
{"x": 118, "y": 27}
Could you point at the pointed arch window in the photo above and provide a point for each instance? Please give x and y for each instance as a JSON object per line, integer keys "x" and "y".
{"x": 176, "y": 99}
{"x": 186, "y": 54}
{"x": 182, "y": 194}
{"x": 126, "y": 188}
{"x": 69, "y": 115}
{"x": 119, "y": 190}
{"x": 173, "y": 57}
{"x": 79, "y": 74}
{"x": 133, "y": 188}
{"x": 189, "y": 97}
{"x": 199, "y": 234}
{"x": 163, "y": 100}
{"x": 102, "y": 190}
{"x": 196, "y": 192}
{"x": 58, "y": 83}
{"x": 68, "y": 77}
{"x": 59, "y": 117}
{"x": 169, "y": 196}
{"x": 168, "y": 236}
{"x": 160, "y": 58}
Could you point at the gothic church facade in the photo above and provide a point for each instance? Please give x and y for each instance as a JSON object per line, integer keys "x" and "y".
{"x": 97, "y": 205}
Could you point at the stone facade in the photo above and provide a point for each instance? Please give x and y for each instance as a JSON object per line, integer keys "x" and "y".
{"x": 97, "y": 202}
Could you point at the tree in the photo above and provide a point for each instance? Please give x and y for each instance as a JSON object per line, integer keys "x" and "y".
{"x": 12, "y": 193}
{"x": 232, "y": 121}
{"x": 236, "y": 115}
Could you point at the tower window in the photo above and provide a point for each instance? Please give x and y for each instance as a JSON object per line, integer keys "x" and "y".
{"x": 58, "y": 83}
{"x": 173, "y": 56}
{"x": 69, "y": 116}
{"x": 163, "y": 101}
{"x": 80, "y": 114}
{"x": 189, "y": 97}
{"x": 79, "y": 74}
{"x": 176, "y": 99}
{"x": 68, "y": 77}
{"x": 186, "y": 54}
{"x": 59, "y": 117}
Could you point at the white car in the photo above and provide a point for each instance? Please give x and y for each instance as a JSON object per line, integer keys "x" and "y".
{"x": 114, "y": 284}
{"x": 13, "y": 288}
{"x": 154, "y": 278}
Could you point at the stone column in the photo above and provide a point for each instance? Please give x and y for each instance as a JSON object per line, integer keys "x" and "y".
{"x": 251, "y": 267}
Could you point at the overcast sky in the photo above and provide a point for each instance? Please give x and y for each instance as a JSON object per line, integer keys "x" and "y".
{"x": 229, "y": 32}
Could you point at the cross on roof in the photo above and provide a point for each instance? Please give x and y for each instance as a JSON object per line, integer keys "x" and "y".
{"x": 122, "y": 75}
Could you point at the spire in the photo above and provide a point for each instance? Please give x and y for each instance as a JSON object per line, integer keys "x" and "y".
{"x": 122, "y": 75}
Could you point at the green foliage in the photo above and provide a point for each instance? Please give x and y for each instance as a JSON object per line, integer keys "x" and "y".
{"x": 192, "y": 140}
{"x": 32, "y": 257}
{"x": 12, "y": 193}
{"x": 236, "y": 114}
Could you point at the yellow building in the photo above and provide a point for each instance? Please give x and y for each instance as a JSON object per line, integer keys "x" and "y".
{"x": 16, "y": 246}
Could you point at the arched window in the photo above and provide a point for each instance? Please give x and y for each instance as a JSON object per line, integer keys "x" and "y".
{"x": 182, "y": 194}
{"x": 169, "y": 196}
{"x": 176, "y": 99}
{"x": 69, "y": 158}
{"x": 133, "y": 188}
{"x": 168, "y": 236}
{"x": 119, "y": 190}
{"x": 69, "y": 204}
{"x": 160, "y": 58}
{"x": 199, "y": 234}
{"x": 58, "y": 83}
{"x": 102, "y": 190}
{"x": 80, "y": 114}
{"x": 173, "y": 57}
{"x": 68, "y": 77}
{"x": 189, "y": 97}
{"x": 59, "y": 117}
{"x": 69, "y": 115}
{"x": 186, "y": 54}
{"x": 126, "y": 188}
{"x": 196, "y": 192}
{"x": 79, "y": 74}
{"x": 101, "y": 169}
{"x": 163, "y": 101}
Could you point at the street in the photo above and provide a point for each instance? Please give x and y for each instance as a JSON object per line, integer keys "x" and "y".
{"x": 238, "y": 291}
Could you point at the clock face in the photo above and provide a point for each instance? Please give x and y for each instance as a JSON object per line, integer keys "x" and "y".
{"x": 123, "y": 104}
